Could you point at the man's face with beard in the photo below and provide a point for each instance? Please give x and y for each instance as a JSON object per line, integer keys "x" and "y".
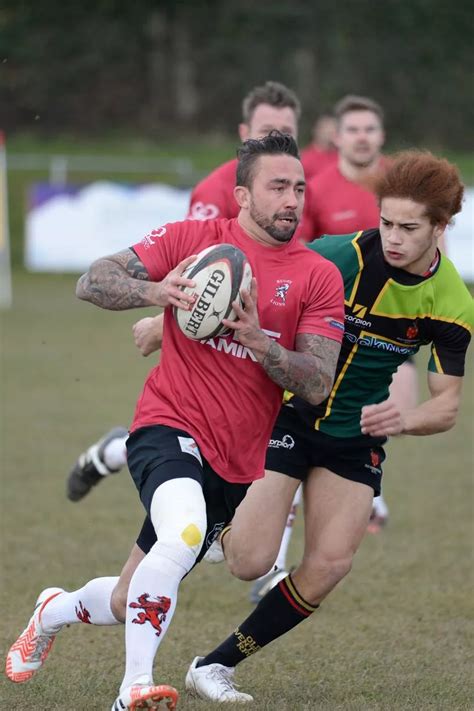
{"x": 360, "y": 137}
{"x": 276, "y": 196}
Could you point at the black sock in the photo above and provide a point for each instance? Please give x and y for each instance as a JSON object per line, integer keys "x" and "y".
{"x": 279, "y": 611}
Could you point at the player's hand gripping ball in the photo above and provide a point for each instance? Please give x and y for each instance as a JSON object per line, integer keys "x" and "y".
{"x": 219, "y": 273}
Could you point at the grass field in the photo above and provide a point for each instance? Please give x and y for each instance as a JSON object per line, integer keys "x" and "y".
{"x": 396, "y": 635}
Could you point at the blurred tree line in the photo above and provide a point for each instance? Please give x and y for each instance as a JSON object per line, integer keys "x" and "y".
{"x": 163, "y": 67}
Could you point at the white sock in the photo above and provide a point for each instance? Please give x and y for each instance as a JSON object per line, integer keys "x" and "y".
{"x": 90, "y": 604}
{"x": 380, "y": 507}
{"x": 178, "y": 514}
{"x": 115, "y": 454}
{"x": 151, "y": 603}
{"x": 288, "y": 532}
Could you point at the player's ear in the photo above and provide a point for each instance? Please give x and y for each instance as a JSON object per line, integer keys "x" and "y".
{"x": 242, "y": 196}
{"x": 244, "y": 131}
{"x": 439, "y": 230}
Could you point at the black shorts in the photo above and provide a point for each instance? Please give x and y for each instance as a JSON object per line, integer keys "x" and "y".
{"x": 295, "y": 448}
{"x": 155, "y": 455}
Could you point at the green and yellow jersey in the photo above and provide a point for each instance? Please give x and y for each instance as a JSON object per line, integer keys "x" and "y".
{"x": 389, "y": 315}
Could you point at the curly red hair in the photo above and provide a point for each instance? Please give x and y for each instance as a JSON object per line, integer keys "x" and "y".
{"x": 425, "y": 179}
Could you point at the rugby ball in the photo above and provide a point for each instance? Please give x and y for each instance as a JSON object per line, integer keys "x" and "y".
{"x": 219, "y": 273}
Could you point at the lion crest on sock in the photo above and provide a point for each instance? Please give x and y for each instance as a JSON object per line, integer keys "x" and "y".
{"x": 83, "y": 614}
{"x": 154, "y": 610}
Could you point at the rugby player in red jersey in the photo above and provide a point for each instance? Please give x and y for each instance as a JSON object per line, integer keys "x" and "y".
{"x": 271, "y": 106}
{"x": 341, "y": 199}
{"x": 194, "y": 450}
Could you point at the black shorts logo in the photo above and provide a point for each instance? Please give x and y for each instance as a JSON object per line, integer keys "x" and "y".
{"x": 375, "y": 460}
{"x": 213, "y": 533}
{"x": 286, "y": 442}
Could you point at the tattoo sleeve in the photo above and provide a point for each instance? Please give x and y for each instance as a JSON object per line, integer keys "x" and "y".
{"x": 307, "y": 372}
{"x": 118, "y": 282}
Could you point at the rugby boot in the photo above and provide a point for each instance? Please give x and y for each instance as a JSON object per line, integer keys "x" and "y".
{"x": 29, "y": 652}
{"x": 90, "y": 468}
{"x": 214, "y": 682}
{"x": 146, "y": 696}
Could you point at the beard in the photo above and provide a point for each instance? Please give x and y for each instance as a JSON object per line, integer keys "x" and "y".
{"x": 365, "y": 160}
{"x": 280, "y": 234}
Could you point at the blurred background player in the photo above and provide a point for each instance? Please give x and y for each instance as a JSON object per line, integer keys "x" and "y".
{"x": 341, "y": 198}
{"x": 322, "y": 151}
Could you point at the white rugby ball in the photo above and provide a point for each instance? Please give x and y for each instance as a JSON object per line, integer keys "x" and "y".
{"x": 219, "y": 273}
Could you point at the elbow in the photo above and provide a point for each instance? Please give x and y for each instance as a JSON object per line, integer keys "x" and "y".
{"x": 85, "y": 283}
{"x": 318, "y": 395}
{"x": 450, "y": 419}
{"x": 316, "y": 398}
{"x": 81, "y": 291}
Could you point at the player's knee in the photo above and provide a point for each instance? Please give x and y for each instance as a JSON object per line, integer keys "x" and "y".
{"x": 331, "y": 567}
{"x": 178, "y": 514}
{"x": 118, "y": 601}
{"x": 249, "y": 566}
{"x": 181, "y": 540}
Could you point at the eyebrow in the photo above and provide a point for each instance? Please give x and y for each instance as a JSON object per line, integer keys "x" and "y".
{"x": 286, "y": 181}
{"x": 404, "y": 224}
{"x": 284, "y": 129}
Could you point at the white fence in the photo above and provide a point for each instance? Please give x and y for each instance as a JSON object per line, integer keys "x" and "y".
{"x": 67, "y": 228}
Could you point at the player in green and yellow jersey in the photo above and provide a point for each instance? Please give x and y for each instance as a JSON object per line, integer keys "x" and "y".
{"x": 400, "y": 294}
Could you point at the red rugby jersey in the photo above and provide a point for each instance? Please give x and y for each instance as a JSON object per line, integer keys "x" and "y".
{"x": 340, "y": 206}
{"x": 315, "y": 160}
{"x": 215, "y": 389}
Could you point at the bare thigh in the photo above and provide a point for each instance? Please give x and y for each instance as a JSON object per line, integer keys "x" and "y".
{"x": 258, "y": 524}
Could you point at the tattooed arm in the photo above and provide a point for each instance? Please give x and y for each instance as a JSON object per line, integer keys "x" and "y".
{"x": 307, "y": 371}
{"x": 121, "y": 281}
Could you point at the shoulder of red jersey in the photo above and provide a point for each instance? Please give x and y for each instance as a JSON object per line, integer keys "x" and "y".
{"x": 226, "y": 170}
{"x": 326, "y": 177}
{"x": 213, "y": 196}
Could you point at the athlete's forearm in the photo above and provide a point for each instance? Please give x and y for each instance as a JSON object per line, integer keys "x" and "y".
{"x": 114, "y": 285}
{"x": 308, "y": 372}
{"x": 433, "y": 416}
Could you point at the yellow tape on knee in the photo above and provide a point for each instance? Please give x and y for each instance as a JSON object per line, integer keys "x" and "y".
{"x": 191, "y": 535}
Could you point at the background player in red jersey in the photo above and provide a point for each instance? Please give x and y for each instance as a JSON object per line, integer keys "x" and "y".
{"x": 271, "y": 106}
{"x": 341, "y": 199}
{"x": 322, "y": 151}
{"x": 192, "y": 464}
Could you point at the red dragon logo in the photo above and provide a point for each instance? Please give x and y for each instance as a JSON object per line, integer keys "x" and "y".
{"x": 412, "y": 331}
{"x": 83, "y": 614}
{"x": 155, "y": 611}
{"x": 374, "y": 458}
